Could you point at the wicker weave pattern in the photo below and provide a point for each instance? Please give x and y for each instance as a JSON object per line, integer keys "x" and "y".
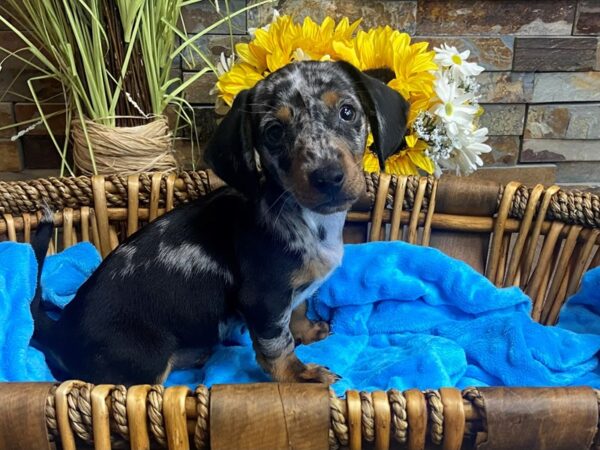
{"x": 59, "y": 193}
{"x": 571, "y": 207}
{"x": 197, "y": 413}
{"x": 540, "y": 239}
{"x": 27, "y": 196}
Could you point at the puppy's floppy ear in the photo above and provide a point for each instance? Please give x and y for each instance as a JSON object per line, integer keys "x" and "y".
{"x": 230, "y": 152}
{"x": 386, "y": 109}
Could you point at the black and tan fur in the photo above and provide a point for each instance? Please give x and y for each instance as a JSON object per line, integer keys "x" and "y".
{"x": 291, "y": 151}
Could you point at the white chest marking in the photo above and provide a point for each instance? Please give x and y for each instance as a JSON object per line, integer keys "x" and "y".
{"x": 328, "y": 251}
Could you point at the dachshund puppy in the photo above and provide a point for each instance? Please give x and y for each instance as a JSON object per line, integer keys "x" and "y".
{"x": 290, "y": 150}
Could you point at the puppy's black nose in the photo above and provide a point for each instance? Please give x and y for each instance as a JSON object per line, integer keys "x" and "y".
{"x": 328, "y": 179}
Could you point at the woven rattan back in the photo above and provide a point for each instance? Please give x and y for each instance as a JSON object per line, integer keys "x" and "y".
{"x": 541, "y": 239}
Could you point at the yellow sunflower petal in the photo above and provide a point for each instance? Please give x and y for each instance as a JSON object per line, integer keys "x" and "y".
{"x": 411, "y": 140}
{"x": 420, "y": 160}
{"x": 400, "y": 164}
{"x": 370, "y": 162}
{"x": 278, "y": 59}
{"x": 370, "y": 140}
{"x": 344, "y": 30}
{"x": 327, "y": 26}
{"x": 252, "y": 55}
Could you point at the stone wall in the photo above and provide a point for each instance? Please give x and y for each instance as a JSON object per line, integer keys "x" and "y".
{"x": 541, "y": 88}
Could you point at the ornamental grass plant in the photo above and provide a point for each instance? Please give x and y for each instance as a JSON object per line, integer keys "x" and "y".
{"x": 113, "y": 60}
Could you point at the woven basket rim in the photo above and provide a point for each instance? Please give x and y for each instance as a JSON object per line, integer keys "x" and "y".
{"x": 17, "y": 197}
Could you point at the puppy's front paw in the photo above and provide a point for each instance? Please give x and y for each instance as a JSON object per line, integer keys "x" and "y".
{"x": 313, "y": 373}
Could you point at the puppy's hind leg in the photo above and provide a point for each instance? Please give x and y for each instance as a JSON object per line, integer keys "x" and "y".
{"x": 129, "y": 366}
{"x": 306, "y": 331}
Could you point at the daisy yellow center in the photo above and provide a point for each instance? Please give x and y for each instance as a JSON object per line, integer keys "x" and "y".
{"x": 449, "y": 109}
{"x": 456, "y": 60}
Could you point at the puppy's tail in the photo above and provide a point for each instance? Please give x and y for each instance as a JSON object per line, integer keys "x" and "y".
{"x": 40, "y": 244}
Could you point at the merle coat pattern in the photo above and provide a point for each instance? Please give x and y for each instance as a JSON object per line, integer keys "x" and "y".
{"x": 291, "y": 150}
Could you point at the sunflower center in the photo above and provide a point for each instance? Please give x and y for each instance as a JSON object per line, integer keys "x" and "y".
{"x": 456, "y": 60}
{"x": 449, "y": 109}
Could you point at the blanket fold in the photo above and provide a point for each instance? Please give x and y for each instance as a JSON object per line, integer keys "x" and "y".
{"x": 402, "y": 316}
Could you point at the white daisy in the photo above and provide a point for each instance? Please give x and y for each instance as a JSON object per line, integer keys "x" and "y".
{"x": 454, "y": 107}
{"x": 225, "y": 63}
{"x": 465, "y": 159}
{"x": 448, "y": 56}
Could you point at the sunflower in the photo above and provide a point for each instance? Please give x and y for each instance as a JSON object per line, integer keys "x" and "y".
{"x": 383, "y": 47}
{"x": 285, "y": 41}
{"x": 241, "y": 76}
{"x": 279, "y": 44}
{"x": 411, "y": 159}
{"x": 406, "y": 162}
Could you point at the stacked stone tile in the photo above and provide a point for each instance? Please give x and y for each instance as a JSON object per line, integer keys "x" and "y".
{"x": 541, "y": 88}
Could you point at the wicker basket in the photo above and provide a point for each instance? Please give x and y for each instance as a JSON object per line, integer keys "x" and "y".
{"x": 541, "y": 239}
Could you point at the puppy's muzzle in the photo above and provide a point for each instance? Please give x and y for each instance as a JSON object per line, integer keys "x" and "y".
{"x": 328, "y": 180}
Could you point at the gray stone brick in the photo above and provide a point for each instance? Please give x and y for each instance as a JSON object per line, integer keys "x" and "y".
{"x": 198, "y": 16}
{"x": 566, "y": 87}
{"x": 10, "y": 157}
{"x": 14, "y": 88}
{"x": 503, "y": 119}
{"x": 397, "y": 14}
{"x": 211, "y": 46}
{"x": 506, "y": 87}
{"x": 555, "y": 54}
{"x": 199, "y": 91}
{"x": 11, "y": 42}
{"x": 505, "y": 151}
{"x": 587, "y": 20}
{"x": 565, "y": 121}
{"x": 492, "y": 53}
{"x": 484, "y": 17}
{"x": 29, "y": 174}
{"x": 6, "y": 118}
{"x": 39, "y": 152}
{"x": 29, "y": 111}
{"x": 555, "y": 150}
{"x": 6, "y": 12}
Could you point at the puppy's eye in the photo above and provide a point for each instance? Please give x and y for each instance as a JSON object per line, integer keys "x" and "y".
{"x": 347, "y": 113}
{"x": 274, "y": 133}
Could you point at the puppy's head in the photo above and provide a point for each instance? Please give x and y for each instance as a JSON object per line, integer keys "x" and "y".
{"x": 308, "y": 124}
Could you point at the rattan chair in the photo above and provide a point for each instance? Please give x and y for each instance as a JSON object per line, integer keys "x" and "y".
{"x": 541, "y": 239}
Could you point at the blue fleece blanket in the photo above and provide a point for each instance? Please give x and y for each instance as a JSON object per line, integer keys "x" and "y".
{"x": 402, "y": 316}
{"x": 62, "y": 276}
